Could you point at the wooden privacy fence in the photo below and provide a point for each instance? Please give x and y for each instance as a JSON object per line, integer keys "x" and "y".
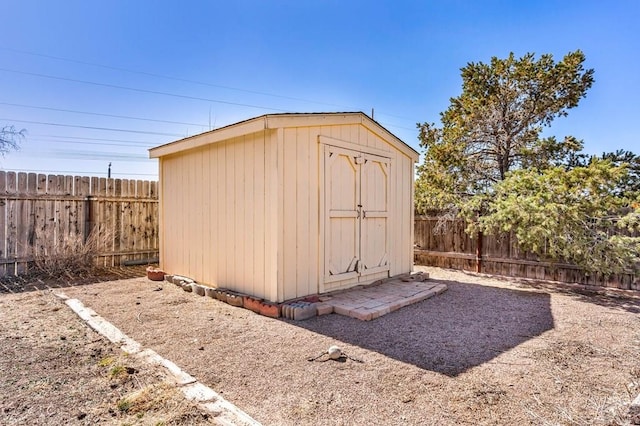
{"x": 445, "y": 244}
{"x": 40, "y": 214}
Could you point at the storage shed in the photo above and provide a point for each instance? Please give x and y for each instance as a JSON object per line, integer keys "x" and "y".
{"x": 284, "y": 206}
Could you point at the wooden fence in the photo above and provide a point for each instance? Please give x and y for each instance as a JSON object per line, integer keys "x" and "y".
{"x": 445, "y": 244}
{"x": 40, "y": 213}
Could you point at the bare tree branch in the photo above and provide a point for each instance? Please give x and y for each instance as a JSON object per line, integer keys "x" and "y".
{"x": 10, "y": 139}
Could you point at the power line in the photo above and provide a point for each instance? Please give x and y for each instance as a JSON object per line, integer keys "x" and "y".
{"x": 396, "y": 126}
{"x": 90, "y": 139}
{"x": 255, "y": 92}
{"x": 58, "y": 172}
{"x": 74, "y": 154}
{"x": 134, "y": 118}
{"x": 156, "y": 92}
{"x": 141, "y": 145}
{"x": 150, "y": 74}
{"x": 128, "y": 117}
{"x": 135, "y": 89}
{"x": 92, "y": 155}
{"x": 202, "y": 83}
{"x": 110, "y": 129}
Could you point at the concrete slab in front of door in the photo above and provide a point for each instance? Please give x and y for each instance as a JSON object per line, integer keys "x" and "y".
{"x": 373, "y": 301}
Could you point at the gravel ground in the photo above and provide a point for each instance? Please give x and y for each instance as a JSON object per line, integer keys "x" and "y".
{"x": 54, "y": 370}
{"x": 487, "y": 351}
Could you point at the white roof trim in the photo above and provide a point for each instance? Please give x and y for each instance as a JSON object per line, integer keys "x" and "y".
{"x": 275, "y": 121}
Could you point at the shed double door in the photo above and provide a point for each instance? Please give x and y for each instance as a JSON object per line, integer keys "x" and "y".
{"x": 356, "y": 216}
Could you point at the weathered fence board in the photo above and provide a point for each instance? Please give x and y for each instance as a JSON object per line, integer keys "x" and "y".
{"x": 445, "y": 244}
{"x": 41, "y": 213}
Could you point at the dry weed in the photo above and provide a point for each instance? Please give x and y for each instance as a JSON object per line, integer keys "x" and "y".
{"x": 162, "y": 397}
{"x": 72, "y": 256}
{"x": 565, "y": 353}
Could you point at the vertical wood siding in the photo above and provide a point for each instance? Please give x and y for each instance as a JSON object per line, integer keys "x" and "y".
{"x": 40, "y": 214}
{"x": 446, "y": 244}
{"x": 300, "y": 216}
{"x": 215, "y": 214}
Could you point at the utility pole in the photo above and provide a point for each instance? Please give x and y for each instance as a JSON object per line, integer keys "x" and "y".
{"x": 109, "y": 171}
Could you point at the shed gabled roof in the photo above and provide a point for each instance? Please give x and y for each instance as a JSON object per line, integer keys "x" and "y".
{"x": 275, "y": 121}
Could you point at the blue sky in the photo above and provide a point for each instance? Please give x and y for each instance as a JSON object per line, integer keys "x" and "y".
{"x": 193, "y": 65}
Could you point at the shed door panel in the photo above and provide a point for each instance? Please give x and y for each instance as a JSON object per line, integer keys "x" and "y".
{"x": 375, "y": 215}
{"x": 356, "y": 216}
{"x": 342, "y": 243}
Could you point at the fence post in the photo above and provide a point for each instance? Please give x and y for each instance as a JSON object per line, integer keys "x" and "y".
{"x": 479, "y": 253}
{"x": 89, "y": 217}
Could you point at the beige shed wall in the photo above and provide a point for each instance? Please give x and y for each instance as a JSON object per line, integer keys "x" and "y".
{"x": 218, "y": 214}
{"x": 300, "y": 254}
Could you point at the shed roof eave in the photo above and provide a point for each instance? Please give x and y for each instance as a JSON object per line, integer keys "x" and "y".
{"x": 402, "y": 146}
{"x": 275, "y": 121}
{"x": 231, "y": 131}
{"x": 337, "y": 118}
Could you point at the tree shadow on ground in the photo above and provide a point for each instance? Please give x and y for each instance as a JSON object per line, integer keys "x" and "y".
{"x": 464, "y": 327}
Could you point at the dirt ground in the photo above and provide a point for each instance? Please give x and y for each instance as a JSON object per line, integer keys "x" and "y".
{"x": 487, "y": 351}
{"x": 54, "y": 370}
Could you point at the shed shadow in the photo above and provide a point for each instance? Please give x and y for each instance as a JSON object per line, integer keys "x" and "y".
{"x": 466, "y": 326}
